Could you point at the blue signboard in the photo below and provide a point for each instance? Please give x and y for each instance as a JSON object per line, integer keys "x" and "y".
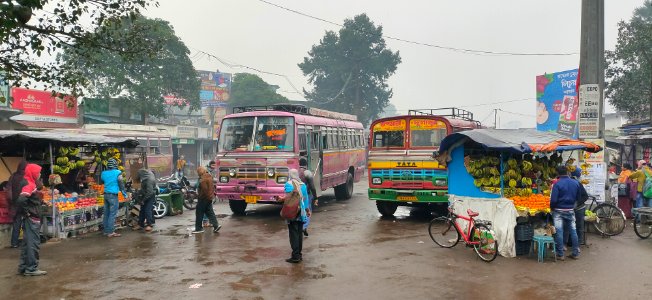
{"x": 557, "y": 102}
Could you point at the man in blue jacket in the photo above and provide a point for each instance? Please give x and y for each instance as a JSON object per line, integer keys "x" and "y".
{"x": 565, "y": 193}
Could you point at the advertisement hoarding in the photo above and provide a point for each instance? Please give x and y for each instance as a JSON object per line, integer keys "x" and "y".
{"x": 43, "y": 106}
{"x": 557, "y": 102}
{"x": 215, "y": 88}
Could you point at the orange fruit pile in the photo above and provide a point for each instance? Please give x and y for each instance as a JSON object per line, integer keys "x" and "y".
{"x": 536, "y": 202}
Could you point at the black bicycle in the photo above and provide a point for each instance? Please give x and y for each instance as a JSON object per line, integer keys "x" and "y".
{"x": 609, "y": 219}
{"x": 643, "y": 222}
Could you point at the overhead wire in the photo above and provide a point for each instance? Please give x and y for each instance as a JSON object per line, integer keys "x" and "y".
{"x": 449, "y": 48}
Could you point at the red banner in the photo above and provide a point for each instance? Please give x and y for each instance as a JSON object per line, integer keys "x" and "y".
{"x": 43, "y": 106}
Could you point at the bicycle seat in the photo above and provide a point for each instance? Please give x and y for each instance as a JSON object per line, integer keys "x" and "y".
{"x": 472, "y": 213}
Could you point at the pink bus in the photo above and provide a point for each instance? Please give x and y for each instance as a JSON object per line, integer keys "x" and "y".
{"x": 258, "y": 145}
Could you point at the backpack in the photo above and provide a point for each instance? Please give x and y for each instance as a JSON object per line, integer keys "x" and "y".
{"x": 292, "y": 204}
{"x": 647, "y": 187}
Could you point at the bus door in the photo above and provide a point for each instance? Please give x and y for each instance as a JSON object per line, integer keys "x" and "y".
{"x": 315, "y": 157}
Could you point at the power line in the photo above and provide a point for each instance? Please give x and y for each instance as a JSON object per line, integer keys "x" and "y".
{"x": 449, "y": 48}
{"x": 236, "y": 65}
{"x": 514, "y": 113}
{"x": 498, "y": 102}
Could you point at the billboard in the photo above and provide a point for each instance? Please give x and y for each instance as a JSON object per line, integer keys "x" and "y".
{"x": 43, "y": 106}
{"x": 557, "y": 102}
{"x": 215, "y": 88}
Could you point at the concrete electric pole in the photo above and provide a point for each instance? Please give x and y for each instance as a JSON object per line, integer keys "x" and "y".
{"x": 591, "y": 123}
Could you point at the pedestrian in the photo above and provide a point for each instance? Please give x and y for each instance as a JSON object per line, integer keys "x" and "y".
{"x": 146, "y": 198}
{"x": 580, "y": 211}
{"x": 293, "y": 193}
{"x": 639, "y": 176}
{"x": 181, "y": 164}
{"x": 113, "y": 184}
{"x": 308, "y": 180}
{"x": 565, "y": 194}
{"x": 624, "y": 174}
{"x": 205, "y": 193}
{"x": 14, "y": 188}
{"x": 29, "y": 207}
{"x": 211, "y": 168}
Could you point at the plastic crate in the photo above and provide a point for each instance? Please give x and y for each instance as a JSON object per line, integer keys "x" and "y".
{"x": 524, "y": 232}
{"x": 523, "y": 247}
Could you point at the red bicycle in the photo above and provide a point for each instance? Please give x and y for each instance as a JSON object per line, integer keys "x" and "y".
{"x": 446, "y": 232}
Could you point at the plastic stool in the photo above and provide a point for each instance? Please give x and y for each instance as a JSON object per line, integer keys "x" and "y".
{"x": 541, "y": 242}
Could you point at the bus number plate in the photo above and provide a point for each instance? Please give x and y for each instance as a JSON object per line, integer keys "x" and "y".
{"x": 251, "y": 199}
{"x": 406, "y": 198}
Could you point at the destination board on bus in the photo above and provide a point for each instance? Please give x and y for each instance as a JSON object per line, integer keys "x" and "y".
{"x": 391, "y": 125}
{"x": 426, "y": 124}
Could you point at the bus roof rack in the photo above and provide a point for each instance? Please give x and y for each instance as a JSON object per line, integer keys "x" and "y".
{"x": 297, "y": 109}
{"x": 453, "y": 112}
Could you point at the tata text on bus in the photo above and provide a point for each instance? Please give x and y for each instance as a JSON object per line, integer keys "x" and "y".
{"x": 258, "y": 145}
{"x": 402, "y": 170}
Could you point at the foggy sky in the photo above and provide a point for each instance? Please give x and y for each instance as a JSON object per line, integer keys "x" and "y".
{"x": 252, "y": 33}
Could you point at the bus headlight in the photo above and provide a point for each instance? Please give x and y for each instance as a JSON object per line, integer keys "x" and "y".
{"x": 224, "y": 179}
{"x": 441, "y": 182}
{"x": 376, "y": 180}
{"x": 270, "y": 172}
{"x": 232, "y": 172}
{"x": 281, "y": 179}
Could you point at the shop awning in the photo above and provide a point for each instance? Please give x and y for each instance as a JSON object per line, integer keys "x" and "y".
{"x": 516, "y": 141}
{"x": 15, "y": 137}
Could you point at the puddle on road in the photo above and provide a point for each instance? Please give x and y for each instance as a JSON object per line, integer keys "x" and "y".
{"x": 253, "y": 281}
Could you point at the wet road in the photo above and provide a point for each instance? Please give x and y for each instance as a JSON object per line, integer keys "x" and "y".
{"x": 351, "y": 253}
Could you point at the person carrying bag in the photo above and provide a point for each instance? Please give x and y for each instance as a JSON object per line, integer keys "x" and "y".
{"x": 293, "y": 211}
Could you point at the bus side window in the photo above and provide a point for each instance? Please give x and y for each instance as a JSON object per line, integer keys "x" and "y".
{"x": 165, "y": 146}
{"x": 324, "y": 139}
{"x": 302, "y": 139}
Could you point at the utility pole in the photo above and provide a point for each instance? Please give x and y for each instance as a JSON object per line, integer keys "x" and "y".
{"x": 592, "y": 73}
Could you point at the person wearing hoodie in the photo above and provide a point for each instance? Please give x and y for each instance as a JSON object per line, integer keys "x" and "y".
{"x": 28, "y": 206}
{"x": 147, "y": 197}
{"x": 113, "y": 184}
{"x": 14, "y": 187}
{"x": 206, "y": 192}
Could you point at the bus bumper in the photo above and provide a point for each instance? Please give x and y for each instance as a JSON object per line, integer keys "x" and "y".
{"x": 262, "y": 195}
{"x": 421, "y": 196}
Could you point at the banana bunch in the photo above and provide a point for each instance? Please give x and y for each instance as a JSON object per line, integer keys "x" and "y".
{"x": 62, "y": 160}
{"x": 512, "y": 163}
{"x": 512, "y": 183}
{"x": 527, "y": 166}
{"x": 63, "y": 151}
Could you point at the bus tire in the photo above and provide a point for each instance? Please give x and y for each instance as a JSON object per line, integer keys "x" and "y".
{"x": 386, "y": 208}
{"x": 345, "y": 191}
{"x": 238, "y": 207}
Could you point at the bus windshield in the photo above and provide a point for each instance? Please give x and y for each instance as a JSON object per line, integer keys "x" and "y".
{"x": 269, "y": 134}
{"x": 427, "y": 133}
{"x": 389, "y": 134}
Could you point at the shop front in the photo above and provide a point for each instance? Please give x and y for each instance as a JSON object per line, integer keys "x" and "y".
{"x": 71, "y": 167}
{"x": 506, "y": 176}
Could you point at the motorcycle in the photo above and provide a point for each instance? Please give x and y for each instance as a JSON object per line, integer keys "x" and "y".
{"x": 169, "y": 184}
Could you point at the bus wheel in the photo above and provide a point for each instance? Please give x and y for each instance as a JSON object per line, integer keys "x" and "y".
{"x": 386, "y": 208}
{"x": 238, "y": 207}
{"x": 345, "y": 191}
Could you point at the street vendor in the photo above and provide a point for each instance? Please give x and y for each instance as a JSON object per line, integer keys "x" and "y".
{"x": 639, "y": 177}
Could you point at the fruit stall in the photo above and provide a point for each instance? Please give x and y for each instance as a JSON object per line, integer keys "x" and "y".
{"x": 506, "y": 174}
{"x": 71, "y": 163}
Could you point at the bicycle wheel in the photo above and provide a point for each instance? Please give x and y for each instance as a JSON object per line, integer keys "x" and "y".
{"x": 443, "y": 232}
{"x": 487, "y": 246}
{"x": 643, "y": 226}
{"x": 610, "y": 219}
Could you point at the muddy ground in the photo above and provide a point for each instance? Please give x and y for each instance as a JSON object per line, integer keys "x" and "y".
{"x": 351, "y": 253}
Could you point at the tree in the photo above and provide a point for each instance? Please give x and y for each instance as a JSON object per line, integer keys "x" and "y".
{"x": 249, "y": 89}
{"x": 349, "y": 70}
{"x": 30, "y": 29}
{"x": 389, "y": 111}
{"x": 137, "y": 83}
{"x": 629, "y": 71}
